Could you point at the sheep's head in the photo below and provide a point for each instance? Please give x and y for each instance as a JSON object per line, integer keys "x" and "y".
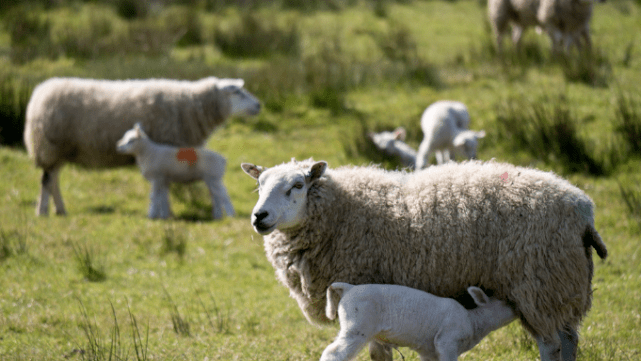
{"x": 128, "y": 143}
{"x": 242, "y": 101}
{"x": 385, "y": 141}
{"x": 282, "y": 193}
{"x": 466, "y": 142}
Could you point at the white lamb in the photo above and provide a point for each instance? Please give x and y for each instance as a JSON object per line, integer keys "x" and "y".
{"x": 437, "y": 328}
{"x": 444, "y": 124}
{"x": 162, "y": 164}
{"x": 79, "y": 120}
{"x": 393, "y": 143}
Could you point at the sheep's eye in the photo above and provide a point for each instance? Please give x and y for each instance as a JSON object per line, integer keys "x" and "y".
{"x": 298, "y": 185}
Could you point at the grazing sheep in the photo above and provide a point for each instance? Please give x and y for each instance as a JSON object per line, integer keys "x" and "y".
{"x": 444, "y": 124}
{"x": 437, "y": 328}
{"x": 524, "y": 234}
{"x": 162, "y": 164}
{"x": 393, "y": 143}
{"x": 565, "y": 21}
{"x": 80, "y": 120}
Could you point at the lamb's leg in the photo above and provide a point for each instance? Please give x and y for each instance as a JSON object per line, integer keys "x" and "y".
{"x": 569, "y": 343}
{"x": 423, "y": 155}
{"x": 439, "y": 157}
{"x": 549, "y": 348}
{"x": 219, "y": 199}
{"x": 517, "y": 33}
{"x": 42, "y": 208}
{"x": 380, "y": 352}
{"x": 344, "y": 348}
{"x": 446, "y": 156}
{"x": 54, "y": 177}
{"x": 159, "y": 200}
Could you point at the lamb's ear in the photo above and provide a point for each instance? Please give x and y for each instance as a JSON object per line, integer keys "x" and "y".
{"x": 252, "y": 170}
{"x": 230, "y": 84}
{"x": 400, "y": 134}
{"x": 480, "y": 134}
{"x": 316, "y": 171}
{"x": 480, "y": 298}
{"x": 459, "y": 140}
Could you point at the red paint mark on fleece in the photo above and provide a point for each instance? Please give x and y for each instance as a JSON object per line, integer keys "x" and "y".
{"x": 187, "y": 155}
{"x": 504, "y": 177}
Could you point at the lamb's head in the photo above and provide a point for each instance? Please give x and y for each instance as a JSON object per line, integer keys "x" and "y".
{"x": 385, "y": 141}
{"x": 282, "y": 193}
{"x": 495, "y": 313}
{"x": 466, "y": 142}
{"x": 242, "y": 101}
{"x": 129, "y": 142}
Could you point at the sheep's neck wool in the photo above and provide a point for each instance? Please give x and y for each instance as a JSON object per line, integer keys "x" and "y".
{"x": 187, "y": 155}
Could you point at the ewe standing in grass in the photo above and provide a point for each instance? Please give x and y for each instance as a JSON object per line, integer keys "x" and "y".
{"x": 80, "y": 120}
{"x": 524, "y": 234}
{"x": 437, "y": 328}
{"x": 162, "y": 164}
{"x": 445, "y": 129}
{"x": 565, "y": 21}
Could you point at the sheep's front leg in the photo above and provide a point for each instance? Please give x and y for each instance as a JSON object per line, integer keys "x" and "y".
{"x": 159, "y": 200}
{"x": 344, "y": 348}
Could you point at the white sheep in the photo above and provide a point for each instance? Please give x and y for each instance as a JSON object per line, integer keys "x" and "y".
{"x": 565, "y": 21}
{"x": 524, "y": 234}
{"x": 79, "y": 120}
{"x": 162, "y": 164}
{"x": 437, "y": 328}
{"x": 445, "y": 130}
{"x": 393, "y": 144}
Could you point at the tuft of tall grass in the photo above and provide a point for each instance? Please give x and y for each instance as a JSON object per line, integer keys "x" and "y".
{"x": 180, "y": 324}
{"x": 547, "y": 129}
{"x": 631, "y": 195}
{"x": 590, "y": 68}
{"x": 87, "y": 263}
{"x": 220, "y": 321}
{"x": 628, "y": 121}
{"x": 258, "y": 36}
{"x": 174, "y": 240}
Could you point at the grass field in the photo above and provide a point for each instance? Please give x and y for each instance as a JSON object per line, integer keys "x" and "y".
{"x": 105, "y": 283}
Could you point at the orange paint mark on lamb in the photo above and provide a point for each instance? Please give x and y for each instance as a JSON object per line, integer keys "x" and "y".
{"x": 187, "y": 155}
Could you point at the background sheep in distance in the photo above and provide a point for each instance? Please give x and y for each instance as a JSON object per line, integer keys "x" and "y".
{"x": 80, "y": 120}
{"x": 161, "y": 164}
{"x": 565, "y": 21}
{"x": 440, "y": 230}
{"x": 445, "y": 130}
{"x": 393, "y": 144}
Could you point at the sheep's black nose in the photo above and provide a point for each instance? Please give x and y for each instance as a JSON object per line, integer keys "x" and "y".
{"x": 260, "y": 216}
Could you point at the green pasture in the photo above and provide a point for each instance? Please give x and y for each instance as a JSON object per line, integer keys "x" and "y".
{"x": 106, "y": 283}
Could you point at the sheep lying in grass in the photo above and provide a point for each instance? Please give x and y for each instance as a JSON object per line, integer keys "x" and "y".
{"x": 444, "y": 124}
{"x": 437, "y": 328}
{"x": 524, "y": 234}
{"x": 565, "y": 21}
{"x": 393, "y": 144}
{"x": 80, "y": 120}
{"x": 162, "y": 164}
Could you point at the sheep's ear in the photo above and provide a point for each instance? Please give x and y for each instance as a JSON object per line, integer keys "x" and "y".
{"x": 459, "y": 140}
{"x": 316, "y": 171}
{"x": 252, "y": 170}
{"x": 480, "y": 134}
{"x": 230, "y": 84}
{"x": 480, "y": 298}
{"x": 400, "y": 134}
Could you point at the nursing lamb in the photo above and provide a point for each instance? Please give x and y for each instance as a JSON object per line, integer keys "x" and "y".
{"x": 524, "y": 234}
{"x": 80, "y": 120}
{"x": 438, "y": 328}
{"x": 162, "y": 164}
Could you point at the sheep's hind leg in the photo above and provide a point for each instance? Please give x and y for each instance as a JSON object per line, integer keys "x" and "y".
{"x": 159, "y": 200}
{"x": 54, "y": 178}
{"x": 343, "y": 349}
{"x": 569, "y": 343}
{"x": 42, "y": 208}
{"x": 219, "y": 199}
{"x": 380, "y": 352}
{"x": 549, "y": 349}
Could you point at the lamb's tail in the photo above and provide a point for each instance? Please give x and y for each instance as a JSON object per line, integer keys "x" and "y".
{"x": 591, "y": 238}
{"x": 334, "y": 294}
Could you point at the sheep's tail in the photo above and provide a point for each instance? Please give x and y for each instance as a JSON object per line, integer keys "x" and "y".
{"x": 334, "y": 294}
{"x": 591, "y": 238}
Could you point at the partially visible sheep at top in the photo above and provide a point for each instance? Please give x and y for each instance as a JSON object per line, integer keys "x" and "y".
{"x": 445, "y": 130}
{"x": 162, "y": 164}
{"x": 80, "y": 120}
